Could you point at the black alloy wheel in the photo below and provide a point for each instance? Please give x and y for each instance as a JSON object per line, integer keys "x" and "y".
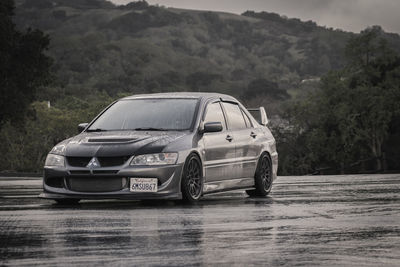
{"x": 263, "y": 177}
{"x": 192, "y": 180}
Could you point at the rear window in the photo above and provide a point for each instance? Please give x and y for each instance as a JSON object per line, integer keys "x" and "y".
{"x": 235, "y": 117}
{"x": 246, "y": 118}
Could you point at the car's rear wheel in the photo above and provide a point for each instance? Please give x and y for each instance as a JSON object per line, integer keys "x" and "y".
{"x": 192, "y": 180}
{"x": 263, "y": 177}
{"x": 70, "y": 201}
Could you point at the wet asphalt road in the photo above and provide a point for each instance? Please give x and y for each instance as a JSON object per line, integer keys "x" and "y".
{"x": 309, "y": 220}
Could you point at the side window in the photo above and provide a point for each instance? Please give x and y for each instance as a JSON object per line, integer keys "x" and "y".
{"x": 235, "y": 117}
{"x": 214, "y": 114}
{"x": 247, "y": 120}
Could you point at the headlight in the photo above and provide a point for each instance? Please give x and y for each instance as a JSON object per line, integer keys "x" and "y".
{"x": 58, "y": 149}
{"x": 54, "y": 160}
{"x": 155, "y": 159}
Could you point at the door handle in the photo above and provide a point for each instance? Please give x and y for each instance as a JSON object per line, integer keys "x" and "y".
{"x": 229, "y": 138}
{"x": 252, "y": 134}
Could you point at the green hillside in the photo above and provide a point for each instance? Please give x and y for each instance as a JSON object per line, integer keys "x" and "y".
{"x": 101, "y": 51}
{"x": 138, "y": 48}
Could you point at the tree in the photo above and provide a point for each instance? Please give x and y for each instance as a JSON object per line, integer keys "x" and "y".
{"x": 264, "y": 87}
{"x": 350, "y": 117}
{"x": 26, "y": 149}
{"x": 200, "y": 79}
{"x": 23, "y": 65}
{"x": 139, "y": 5}
{"x": 375, "y": 85}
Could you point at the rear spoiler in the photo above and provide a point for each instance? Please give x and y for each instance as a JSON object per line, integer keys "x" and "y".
{"x": 259, "y": 114}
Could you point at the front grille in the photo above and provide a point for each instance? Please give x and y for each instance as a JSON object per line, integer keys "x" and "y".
{"x": 87, "y": 172}
{"x": 98, "y": 184}
{"x": 104, "y": 161}
{"x": 105, "y": 171}
{"x": 112, "y": 161}
{"x": 78, "y": 161}
{"x": 80, "y": 172}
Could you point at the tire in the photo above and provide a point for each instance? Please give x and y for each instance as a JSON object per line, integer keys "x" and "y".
{"x": 192, "y": 180}
{"x": 263, "y": 177}
{"x": 68, "y": 201}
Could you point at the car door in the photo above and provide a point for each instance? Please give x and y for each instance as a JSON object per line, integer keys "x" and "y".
{"x": 249, "y": 147}
{"x": 236, "y": 125}
{"x": 219, "y": 148}
{"x": 244, "y": 135}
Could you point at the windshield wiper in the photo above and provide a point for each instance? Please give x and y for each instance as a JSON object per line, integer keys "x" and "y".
{"x": 150, "y": 129}
{"x": 96, "y": 130}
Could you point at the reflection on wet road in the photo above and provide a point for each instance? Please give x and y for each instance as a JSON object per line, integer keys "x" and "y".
{"x": 308, "y": 220}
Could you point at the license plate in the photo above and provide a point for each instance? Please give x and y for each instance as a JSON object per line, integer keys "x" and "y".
{"x": 143, "y": 184}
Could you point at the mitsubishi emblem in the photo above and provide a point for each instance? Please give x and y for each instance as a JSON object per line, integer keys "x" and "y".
{"x": 93, "y": 163}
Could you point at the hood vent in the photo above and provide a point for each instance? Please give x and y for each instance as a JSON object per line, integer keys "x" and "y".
{"x": 111, "y": 140}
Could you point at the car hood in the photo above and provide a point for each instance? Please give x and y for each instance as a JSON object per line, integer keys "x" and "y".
{"x": 119, "y": 143}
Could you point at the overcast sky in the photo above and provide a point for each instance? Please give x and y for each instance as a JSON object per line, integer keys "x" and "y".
{"x": 349, "y": 15}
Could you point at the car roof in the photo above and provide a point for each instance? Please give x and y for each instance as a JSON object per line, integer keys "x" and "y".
{"x": 197, "y": 95}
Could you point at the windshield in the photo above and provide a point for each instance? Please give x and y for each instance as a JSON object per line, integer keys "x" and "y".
{"x": 147, "y": 114}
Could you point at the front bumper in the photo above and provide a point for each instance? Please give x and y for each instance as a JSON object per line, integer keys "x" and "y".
{"x": 169, "y": 179}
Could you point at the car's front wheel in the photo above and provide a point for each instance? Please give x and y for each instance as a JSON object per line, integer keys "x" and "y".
{"x": 263, "y": 177}
{"x": 192, "y": 180}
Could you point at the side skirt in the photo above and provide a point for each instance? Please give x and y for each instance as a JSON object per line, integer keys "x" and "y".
{"x": 226, "y": 185}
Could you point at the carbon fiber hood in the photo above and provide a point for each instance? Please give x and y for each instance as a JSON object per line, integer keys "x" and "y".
{"x": 119, "y": 143}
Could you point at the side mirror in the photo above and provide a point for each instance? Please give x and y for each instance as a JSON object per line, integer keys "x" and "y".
{"x": 212, "y": 127}
{"x": 82, "y": 126}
